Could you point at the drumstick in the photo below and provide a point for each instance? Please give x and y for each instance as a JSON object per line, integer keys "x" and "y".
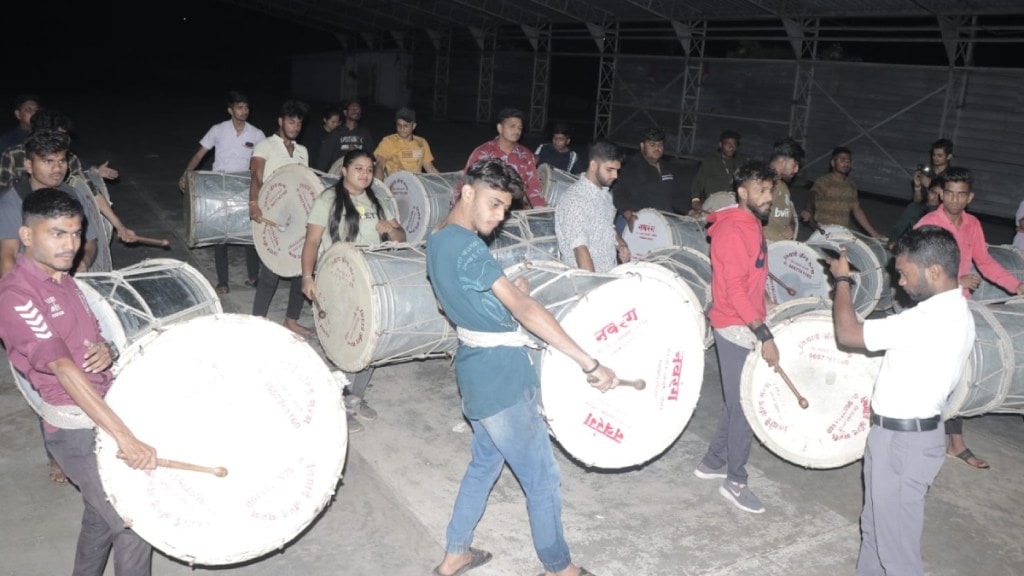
{"x": 784, "y": 286}
{"x": 218, "y": 471}
{"x": 799, "y": 399}
{"x": 269, "y": 222}
{"x": 639, "y": 384}
{"x": 152, "y": 241}
{"x": 320, "y": 312}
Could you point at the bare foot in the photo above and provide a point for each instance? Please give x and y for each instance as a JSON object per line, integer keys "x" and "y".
{"x": 299, "y": 329}
{"x": 56, "y": 474}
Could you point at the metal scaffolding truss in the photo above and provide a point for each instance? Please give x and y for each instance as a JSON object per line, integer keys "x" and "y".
{"x": 487, "y": 39}
{"x": 607, "y": 38}
{"x": 803, "y": 36}
{"x": 541, "y": 40}
{"x": 442, "y": 66}
{"x": 691, "y": 35}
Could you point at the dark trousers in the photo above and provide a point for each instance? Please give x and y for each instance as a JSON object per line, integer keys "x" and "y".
{"x": 265, "y": 293}
{"x": 731, "y": 444}
{"x": 102, "y": 527}
{"x": 220, "y": 262}
{"x": 955, "y": 426}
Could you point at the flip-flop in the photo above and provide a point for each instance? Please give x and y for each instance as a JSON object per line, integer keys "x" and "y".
{"x": 583, "y": 572}
{"x": 477, "y": 558}
{"x": 966, "y": 456}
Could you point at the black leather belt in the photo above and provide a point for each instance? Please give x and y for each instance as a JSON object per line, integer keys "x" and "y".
{"x": 906, "y": 424}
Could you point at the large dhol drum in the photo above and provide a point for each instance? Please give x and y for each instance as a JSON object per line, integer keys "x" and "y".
{"x": 868, "y": 265}
{"x": 285, "y": 199}
{"x": 217, "y": 208}
{"x": 525, "y": 235}
{"x": 147, "y": 296}
{"x": 422, "y": 200}
{"x": 718, "y": 200}
{"x": 659, "y": 229}
{"x": 693, "y": 269}
{"x": 376, "y": 306}
{"x": 1008, "y": 257}
{"x": 994, "y": 378}
{"x": 795, "y": 271}
{"x": 266, "y": 409}
{"x": 103, "y": 261}
{"x": 637, "y": 326}
{"x": 832, "y": 431}
{"x": 554, "y": 182}
{"x": 651, "y": 272}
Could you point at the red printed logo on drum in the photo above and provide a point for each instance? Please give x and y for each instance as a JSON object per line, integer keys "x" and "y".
{"x": 604, "y": 428}
{"x": 856, "y": 412}
{"x": 356, "y": 329}
{"x": 288, "y": 507}
{"x": 414, "y": 219}
{"x": 275, "y": 192}
{"x": 799, "y": 263}
{"x": 677, "y": 371}
{"x": 768, "y": 421}
{"x": 307, "y": 195}
{"x": 297, "y": 415}
{"x": 613, "y": 327}
{"x": 271, "y": 241}
{"x": 647, "y": 231}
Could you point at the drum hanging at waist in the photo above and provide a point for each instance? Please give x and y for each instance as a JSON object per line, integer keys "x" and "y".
{"x": 375, "y": 306}
{"x": 217, "y": 208}
{"x": 422, "y": 200}
{"x": 659, "y": 229}
{"x": 554, "y": 182}
{"x": 265, "y": 408}
{"x": 642, "y": 329}
{"x": 832, "y": 431}
{"x": 992, "y": 380}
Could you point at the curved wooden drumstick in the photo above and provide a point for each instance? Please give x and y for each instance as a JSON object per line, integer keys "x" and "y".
{"x": 269, "y": 222}
{"x": 799, "y": 399}
{"x": 639, "y": 384}
{"x": 152, "y": 241}
{"x": 784, "y": 286}
{"x": 218, "y": 471}
{"x": 320, "y": 312}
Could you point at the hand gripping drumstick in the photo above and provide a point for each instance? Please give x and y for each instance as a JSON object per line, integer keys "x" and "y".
{"x": 269, "y": 222}
{"x": 784, "y": 286}
{"x": 152, "y": 241}
{"x": 320, "y": 312}
{"x": 799, "y": 399}
{"x": 639, "y": 384}
{"x": 218, "y": 471}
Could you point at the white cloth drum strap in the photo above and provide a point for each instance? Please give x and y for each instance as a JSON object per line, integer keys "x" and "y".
{"x": 476, "y": 339}
{"x": 66, "y": 417}
{"x": 739, "y": 335}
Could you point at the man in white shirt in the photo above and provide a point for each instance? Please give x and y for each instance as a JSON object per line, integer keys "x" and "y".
{"x": 234, "y": 140}
{"x": 926, "y": 349}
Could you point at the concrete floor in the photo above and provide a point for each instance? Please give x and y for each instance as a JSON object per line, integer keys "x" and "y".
{"x": 402, "y": 472}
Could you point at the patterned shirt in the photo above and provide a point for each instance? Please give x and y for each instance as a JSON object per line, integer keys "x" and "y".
{"x": 585, "y": 216}
{"x": 834, "y": 199}
{"x": 519, "y": 158}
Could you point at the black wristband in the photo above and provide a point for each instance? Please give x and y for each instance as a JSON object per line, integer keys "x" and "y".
{"x": 762, "y": 333}
{"x": 839, "y": 279}
{"x": 597, "y": 364}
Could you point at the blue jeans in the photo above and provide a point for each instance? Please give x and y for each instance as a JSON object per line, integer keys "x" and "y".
{"x": 519, "y": 436}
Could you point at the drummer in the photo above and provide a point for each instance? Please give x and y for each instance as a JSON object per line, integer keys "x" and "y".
{"x": 269, "y": 155}
{"x": 739, "y": 270}
{"x": 350, "y": 212}
{"x": 403, "y": 150}
{"x": 499, "y": 386}
{"x": 53, "y": 339}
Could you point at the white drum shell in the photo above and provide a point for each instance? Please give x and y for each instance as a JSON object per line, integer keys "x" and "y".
{"x": 655, "y": 229}
{"x": 422, "y": 200}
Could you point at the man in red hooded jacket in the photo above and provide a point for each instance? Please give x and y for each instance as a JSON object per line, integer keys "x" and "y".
{"x": 739, "y": 271}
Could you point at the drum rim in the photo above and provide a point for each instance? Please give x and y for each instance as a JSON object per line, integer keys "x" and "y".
{"x": 285, "y": 267}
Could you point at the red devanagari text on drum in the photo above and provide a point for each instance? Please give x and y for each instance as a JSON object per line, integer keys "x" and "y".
{"x": 769, "y": 422}
{"x": 799, "y": 263}
{"x": 856, "y": 407}
{"x": 605, "y": 428}
{"x": 677, "y": 371}
{"x": 613, "y": 328}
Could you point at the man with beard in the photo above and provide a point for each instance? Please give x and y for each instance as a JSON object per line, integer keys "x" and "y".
{"x": 269, "y": 155}
{"x": 970, "y": 238}
{"x": 787, "y": 154}
{"x": 834, "y": 196}
{"x": 498, "y": 383}
{"x": 585, "y": 216}
{"x": 715, "y": 172}
{"x": 926, "y": 349}
{"x": 739, "y": 270}
{"x": 349, "y": 135}
{"x": 647, "y": 181}
{"x": 53, "y": 338}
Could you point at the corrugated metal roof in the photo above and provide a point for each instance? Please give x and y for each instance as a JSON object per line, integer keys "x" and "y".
{"x": 394, "y": 15}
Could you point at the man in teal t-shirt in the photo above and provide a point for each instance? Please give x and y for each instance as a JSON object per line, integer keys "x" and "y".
{"x": 499, "y": 386}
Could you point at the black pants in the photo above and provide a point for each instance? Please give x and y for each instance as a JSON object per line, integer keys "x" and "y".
{"x": 955, "y": 425}
{"x": 220, "y": 262}
{"x": 265, "y": 293}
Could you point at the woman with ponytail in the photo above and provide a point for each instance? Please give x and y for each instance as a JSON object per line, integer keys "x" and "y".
{"x": 349, "y": 212}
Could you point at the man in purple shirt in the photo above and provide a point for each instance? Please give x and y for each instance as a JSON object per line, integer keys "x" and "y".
{"x": 970, "y": 238}
{"x": 506, "y": 147}
{"x": 53, "y": 339}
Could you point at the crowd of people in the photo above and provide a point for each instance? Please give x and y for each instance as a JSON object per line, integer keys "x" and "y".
{"x": 48, "y": 232}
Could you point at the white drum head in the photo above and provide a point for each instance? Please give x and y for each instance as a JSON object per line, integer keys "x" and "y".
{"x": 554, "y": 182}
{"x": 653, "y": 271}
{"x": 422, "y": 200}
{"x": 286, "y": 198}
{"x": 866, "y": 267}
{"x": 719, "y": 200}
{"x": 642, "y": 329}
{"x": 798, "y": 271}
{"x": 832, "y": 431}
{"x": 252, "y": 398}
{"x": 655, "y": 229}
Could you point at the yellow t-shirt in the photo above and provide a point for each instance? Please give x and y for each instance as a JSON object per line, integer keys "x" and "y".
{"x": 401, "y": 154}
